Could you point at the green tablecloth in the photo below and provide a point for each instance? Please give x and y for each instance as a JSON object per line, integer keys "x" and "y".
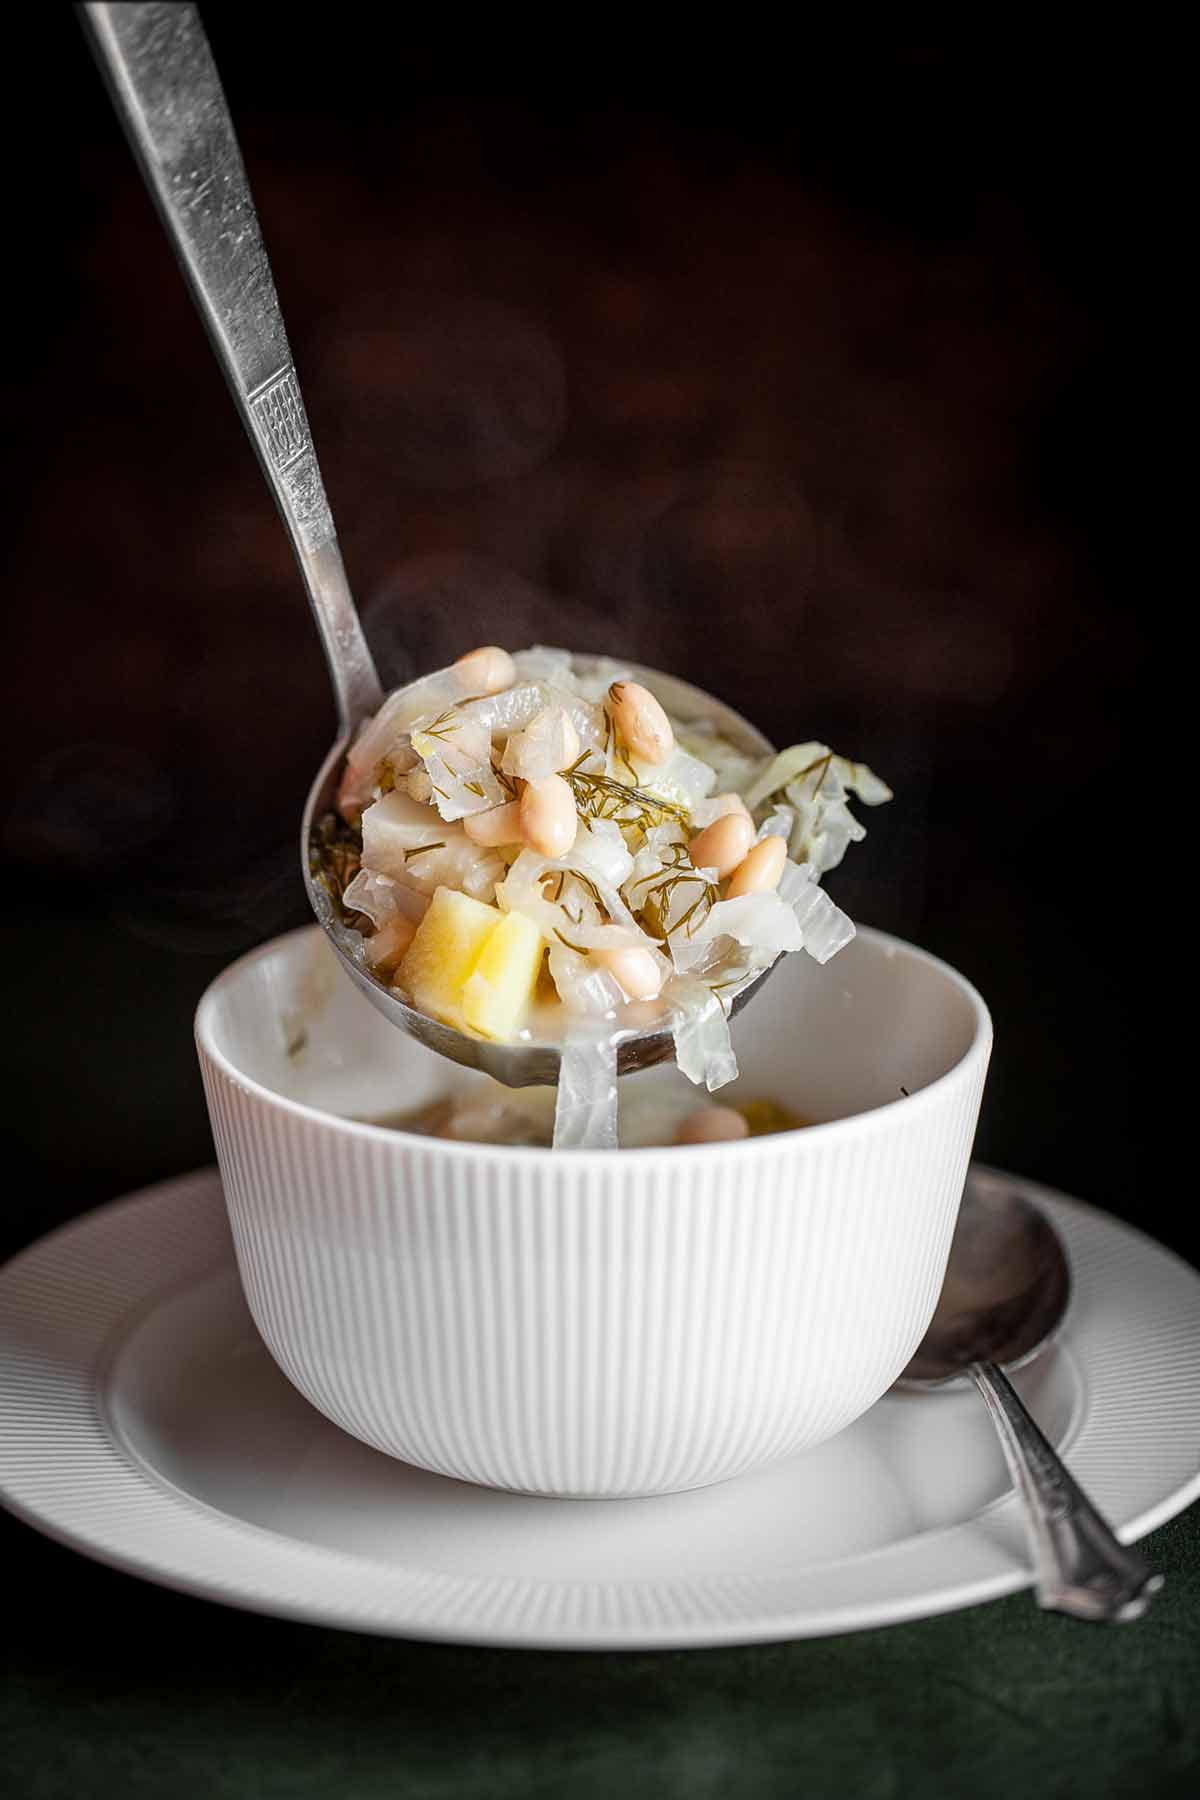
{"x": 115, "y": 1687}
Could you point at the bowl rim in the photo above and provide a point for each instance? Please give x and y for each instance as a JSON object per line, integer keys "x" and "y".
{"x": 874, "y": 1118}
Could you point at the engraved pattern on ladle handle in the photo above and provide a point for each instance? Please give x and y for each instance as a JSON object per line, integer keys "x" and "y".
{"x": 164, "y": 84}
{"x": 1080, "y": 1565}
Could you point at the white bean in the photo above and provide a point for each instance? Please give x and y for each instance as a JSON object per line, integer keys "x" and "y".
{"x": 712, "y": 1125}
{"x": 633, "y": 969}
{"x": 499, "y": 825}
{"x": 548, "y": 817}
{"x": 759, "y": 872}
{"x": 640, "y": 721}
{"x": 486, "y": 670}
{"x": 723, "y": 844}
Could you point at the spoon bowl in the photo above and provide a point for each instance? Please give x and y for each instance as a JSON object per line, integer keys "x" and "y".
{"x": 1004, "y": 1296}
{"x": 1006, "y": 1289}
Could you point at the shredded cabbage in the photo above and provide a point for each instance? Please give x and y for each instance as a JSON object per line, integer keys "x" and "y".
{"x": 542, "y": 663}
{"x": 382, "y": 899}
{"x": 825, "y": 928}
{"x": 585, "y": 1110}
{"x": 703, "y": 1048}
{"x": 409, "y": 843}
{"x": 814, "y": 782}
{"x": 435, "y": 755}
{"x": 582, "y": 986}
{"x": 546, "y": 745}
{"x": 516, "y": 707}
{"x": 459, "y": 796}
{"x": 682, "y": 779}
{"x": 601, "y": 850}
{"x": 594, "y": 675}
{"x": 732, "y": 768}
{"x": 761, "y": 921}
{"x": 779, "y": 822}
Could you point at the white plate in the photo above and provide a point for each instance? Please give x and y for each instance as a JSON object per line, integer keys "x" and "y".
{"x": 142, "y": 1422}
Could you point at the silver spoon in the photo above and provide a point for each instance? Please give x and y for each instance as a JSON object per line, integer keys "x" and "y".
{"x": 164, "y": 84}
{"x": 1006, "y": 1290}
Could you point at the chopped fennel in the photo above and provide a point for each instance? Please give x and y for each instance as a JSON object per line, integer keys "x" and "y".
{"x": 431, "y": 799}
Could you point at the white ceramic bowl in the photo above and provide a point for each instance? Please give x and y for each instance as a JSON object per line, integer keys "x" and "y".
{"x": 591, "y": 1323}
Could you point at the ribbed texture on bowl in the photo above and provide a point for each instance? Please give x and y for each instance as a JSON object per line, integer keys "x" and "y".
{"x": 634, "y": 1324}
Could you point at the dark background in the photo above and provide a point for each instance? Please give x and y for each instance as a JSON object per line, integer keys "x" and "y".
{"x": 807, "y": 369}
{"x": 799, "y": 371}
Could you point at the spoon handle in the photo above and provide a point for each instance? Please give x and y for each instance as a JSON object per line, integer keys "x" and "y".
{"x": 164, "y": 84}
{"x": 1080, "y": 1566}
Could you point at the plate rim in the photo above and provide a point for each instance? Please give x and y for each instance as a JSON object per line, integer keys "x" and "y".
{"x": 128, "y": 1480}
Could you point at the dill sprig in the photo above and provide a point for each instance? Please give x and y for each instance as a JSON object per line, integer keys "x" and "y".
{"x": 655, "y": 909}
{"x": 819, "y": 762}
{"x": 611, "y": 738}
{"x": 589, "y": 887}
{"x": 599, "y": 796}
{"x": 334, "y": 859}
{"x": 441, "y": 728}
{"x": 585, "y": 882}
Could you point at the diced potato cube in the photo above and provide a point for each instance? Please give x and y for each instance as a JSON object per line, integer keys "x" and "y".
{"x": 498, "y": 992}
{"x": 444, "y": 953}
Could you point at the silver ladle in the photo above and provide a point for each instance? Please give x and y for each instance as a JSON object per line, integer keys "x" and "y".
{"x": 164, "y": 84}
{"x": 1006, "y": 1290}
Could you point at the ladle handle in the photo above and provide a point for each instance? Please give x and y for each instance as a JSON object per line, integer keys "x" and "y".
{"x": 164, "y": 83}
{"x": 1080, "y": 1566}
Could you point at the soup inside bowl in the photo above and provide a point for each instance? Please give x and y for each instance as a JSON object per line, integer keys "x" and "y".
{"x": 596, "y": 1323}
